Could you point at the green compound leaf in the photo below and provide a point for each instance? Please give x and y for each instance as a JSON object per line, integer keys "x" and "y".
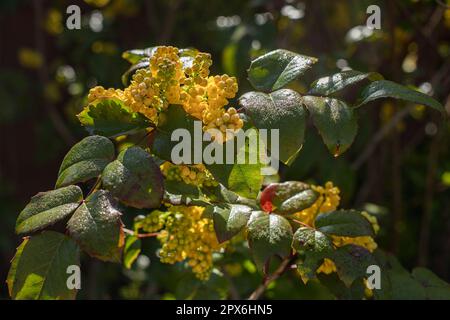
{"x": 282, "y": 110}
{"x": 230, "y": 220}
{"x": 85, "y": 160}
{"x": 399, "y": 284}
{"x": 309, "y": 239}
{"x": 313, "y": 246}
{"x": 242, "y": 177}
{"x": 131, "y": 250}
{"x": 268, "y": 235}
{"x": 287, "y": 197}
{"x": 335, "y": 121}
{"x": 47, "y": 208}
{"x": 389, "y": 89}
{"x": 352, "y": 262}
{"x": 277, "y": 68}
{"x": 180, "y": 193}
{"x": 338, "y": 81}
{"x": 97, "y": 227}
{"x": 135, "y": 179}
{"x": 347, "y": 223}
{"x": 111, "y": 118}
{"x": 39, "y": 268}
{"x": 338, "y": 288}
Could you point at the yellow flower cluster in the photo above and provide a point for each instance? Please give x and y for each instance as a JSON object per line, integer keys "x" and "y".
{"x": 153, "y": 222}
{"x": 187, "y": 235}
{"x": 98, "y": 93}
{"x": 166, "y": 82}
{"x": 327, "y": 201}
{"x": 196, "y": 175}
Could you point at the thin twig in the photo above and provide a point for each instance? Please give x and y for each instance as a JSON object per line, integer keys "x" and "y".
{"x": 284, "y": 266}
{"x": 140, "y": 235}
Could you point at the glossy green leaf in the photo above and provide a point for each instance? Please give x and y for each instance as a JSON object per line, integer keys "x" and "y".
{"x": 340, "y": 290}
{"x": 85, "y": 160}
{"x": 277, "y": 68}
{"x": 313, "y": 246}
{"x": 309, "y": 239}
{"x": 131, "y": 250}
{"x": 348, "y": 223}
{"x": 111, "y": 118}
{"x": 97, "y": 227}
{"x": 338, "y": 81}
{"x": 180, "y": 193}
{"x": 282, "y": 110}
{"x": 389, "y": 89}
{"x": 399, "y": 284}
{"x": 230, "y": 220}
{"x": 135, "y": 179}
{"x": 287, "y": 197}
{"x": 335, "y": 121}
{"x": 245, "y": 177}
{"x": 39, "y": 268}
{"x": 268, "y": 235}
{"x": 47, "y": 208}
{"x": 352, "y": 262}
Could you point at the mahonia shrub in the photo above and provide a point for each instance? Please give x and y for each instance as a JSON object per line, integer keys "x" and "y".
{"x": 199, "y": 211}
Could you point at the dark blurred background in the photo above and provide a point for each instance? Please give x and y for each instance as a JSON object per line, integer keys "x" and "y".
{"x": 398, "y": 167}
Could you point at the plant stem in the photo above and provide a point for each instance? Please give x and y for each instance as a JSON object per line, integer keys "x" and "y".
{"x": 140, "y": 235}
{"x": 284, "y": 266}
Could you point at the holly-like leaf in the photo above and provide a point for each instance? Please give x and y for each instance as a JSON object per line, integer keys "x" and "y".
{"x": 85, "y": 160}
{"x": 47, "y": 208}
{"x": 309, "y": 239}
{"x": 178, "y": 192}
{"x": 399, "y": 284}
{"x": 281, "y": 110}
{"x": 131, "y": 250}
{"x": 338, "y": 288}
{"x": 435, "y": 288}
{"x": 347, "y": 223}
{"x": 287, "y": 197}
{"x": 135, "y": 179}
{"x": 335, "y": 121}
{"x": 338, "y": 81}
{"x": 230, "y": 220}
{"x": 277, "y": 68}
{"x": 39, "y": 268}
{"x": 352, "y": 262}
{"x": 268, "y": 235}
{"x": 389, "y": 89}
{"x": 97, "y": 227}
{"x": 242, "y": 177}
{"x": 111, "y": 118}
{"x": 313, "y": 246}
